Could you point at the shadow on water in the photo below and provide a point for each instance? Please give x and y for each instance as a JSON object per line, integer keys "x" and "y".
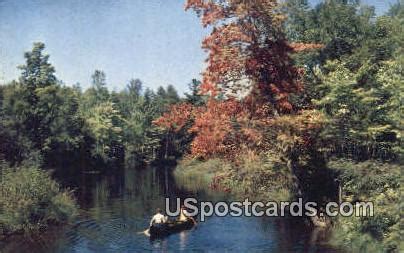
{"x": 116, "y": 206}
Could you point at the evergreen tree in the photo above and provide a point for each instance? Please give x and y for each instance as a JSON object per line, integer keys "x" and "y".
{"x": 100, "y": 86}
{"x": 194, "y": 98}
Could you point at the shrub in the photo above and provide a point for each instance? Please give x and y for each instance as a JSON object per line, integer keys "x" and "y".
{"x": 377, "y": 182}
{"x": 258, "y": 177}
{"x": 31, "y": 200}
{"x": 197, "y": 175}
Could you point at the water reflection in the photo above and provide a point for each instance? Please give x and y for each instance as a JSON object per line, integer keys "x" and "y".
{"x": 117, "y": 206}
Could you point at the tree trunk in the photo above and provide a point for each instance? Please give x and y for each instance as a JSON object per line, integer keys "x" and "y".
{"x": 166, "y": 151}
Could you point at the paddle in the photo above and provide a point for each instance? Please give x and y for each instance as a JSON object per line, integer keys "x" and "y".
{"x": 146, "y": 232}
{"x": 193, "y": 221}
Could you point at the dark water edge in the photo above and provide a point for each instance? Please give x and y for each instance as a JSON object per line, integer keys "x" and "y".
{"x": 117, "y": 205}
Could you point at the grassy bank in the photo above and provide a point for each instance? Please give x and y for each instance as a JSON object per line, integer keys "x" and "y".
{"x": 30, "y": 200}
{"x": 252, "y": 176}
{"x": 195, "y": 175}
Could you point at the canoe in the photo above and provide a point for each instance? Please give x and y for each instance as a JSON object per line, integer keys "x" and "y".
{"x": 170, "y": 227}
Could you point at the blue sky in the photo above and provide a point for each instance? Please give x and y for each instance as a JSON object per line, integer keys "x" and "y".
{"x": 154, "y": 40}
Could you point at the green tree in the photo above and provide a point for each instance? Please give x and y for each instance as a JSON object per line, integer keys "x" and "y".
{"x": 360, "y": 112}
{"x": 298, "y": 24}
{"x": 341, "y": 26}
{"x": 40, "y": 110}
{"x": 171, "y": 95}
{"x": 15, "y": 145}
{"x": 194, "y": 97}
{"x": 104, "y": 123}
{"x": 135, "y": 87}
{"x": 100, "y": 86}
{"x": 37, "y": 74}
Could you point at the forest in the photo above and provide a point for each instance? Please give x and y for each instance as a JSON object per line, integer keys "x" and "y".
{"x": 295, "y": 101}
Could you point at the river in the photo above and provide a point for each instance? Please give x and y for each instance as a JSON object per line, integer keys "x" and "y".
{"x": 115, "y": 207}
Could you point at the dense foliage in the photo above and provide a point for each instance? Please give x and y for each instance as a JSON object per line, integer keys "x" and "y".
{"x": 30, "y": 200}
{"x": 44, "y": 122}
{"x": 290, "y": 86}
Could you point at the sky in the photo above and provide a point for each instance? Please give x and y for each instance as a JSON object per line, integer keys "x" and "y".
{"x": 153, "y": 40}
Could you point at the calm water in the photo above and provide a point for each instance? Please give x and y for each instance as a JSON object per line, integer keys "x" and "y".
{"x": 116, "y": 207}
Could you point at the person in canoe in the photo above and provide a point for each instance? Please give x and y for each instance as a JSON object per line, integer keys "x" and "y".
{"x": 184, "y": 215}
{"x": 158, "y": 218}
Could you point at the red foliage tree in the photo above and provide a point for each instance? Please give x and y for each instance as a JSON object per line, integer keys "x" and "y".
{"x": 249, "y": 76}
{"x": 247, "y": 48}
{"x": 299, "y": 47}
{"x": 176, "y": 117}
{"x": 212, "y": 126}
